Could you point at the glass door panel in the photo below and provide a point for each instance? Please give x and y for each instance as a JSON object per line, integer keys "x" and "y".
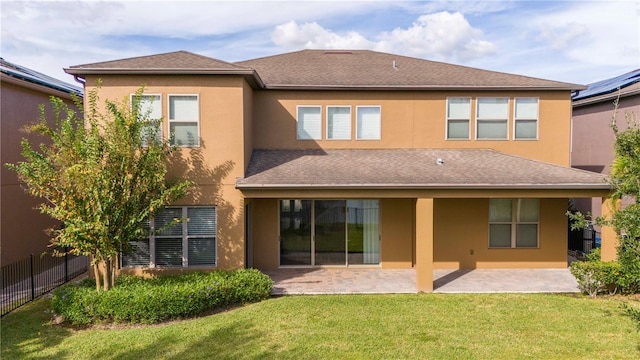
{"x": 330, "y": 237}
{"x": 362, "y": 231}
{"x": 295, "y": 232}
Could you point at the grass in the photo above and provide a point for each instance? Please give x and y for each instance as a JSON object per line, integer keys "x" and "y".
{"x": 435, "y": 326}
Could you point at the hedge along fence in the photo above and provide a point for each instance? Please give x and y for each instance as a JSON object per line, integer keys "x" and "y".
{"x": 139, "y": 300}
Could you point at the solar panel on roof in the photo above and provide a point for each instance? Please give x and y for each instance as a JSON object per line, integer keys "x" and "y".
{"x": 608, "y": 85}
{"x": 35, "y": 77}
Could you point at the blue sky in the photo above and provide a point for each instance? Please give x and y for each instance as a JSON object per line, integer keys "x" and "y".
{"x": 573, "y": 41}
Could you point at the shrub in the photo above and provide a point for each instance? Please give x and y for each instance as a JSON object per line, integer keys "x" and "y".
{"x": 629, "y": 259}
{"x": 139, "y": 300}
{"x": 594, "y": 255}
{"x": 633, "y": 312}
{"x": 596, "y": 276}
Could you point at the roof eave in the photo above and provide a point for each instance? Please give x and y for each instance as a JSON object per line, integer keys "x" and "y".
{"x": 241, "y": 186}
{"x": 251, "y": 75}
{"x": 421, "y": 87}
{"x": 39, "y": 86}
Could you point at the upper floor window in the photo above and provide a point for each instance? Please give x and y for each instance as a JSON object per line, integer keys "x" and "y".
{"x": 150, "y": 111}
{"x": 458, "y": 118}
{"x": 184, "y": 120}
{"x": 309, "y": 123}
{"x": 492, "y": 118}
{"x": 513, "y": 223}
{"x": 368, "y": 122}
{"x": 339, "y": 122}
{"x": 526, "y": 118}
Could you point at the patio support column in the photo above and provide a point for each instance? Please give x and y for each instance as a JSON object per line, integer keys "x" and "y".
{"x": 608, "y": 235}
{"x": 424, "y": 245}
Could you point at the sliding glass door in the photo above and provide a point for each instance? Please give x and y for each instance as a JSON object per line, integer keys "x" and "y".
{"x": 329, "y": 232}
{"x": 363, "y": 231}
{"x": 330, "y": 235}
{"x": 295, "y": 232}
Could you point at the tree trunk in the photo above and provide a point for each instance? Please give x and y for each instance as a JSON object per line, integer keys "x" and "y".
{"x": 96, "y": 273}
{"x": 106, "y": 275}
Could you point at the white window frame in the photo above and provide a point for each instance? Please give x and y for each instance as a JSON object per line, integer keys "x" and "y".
{"x": 514, "y": 222}
{"x": 185, "y": 240}
{"x": 327, "y": 121}
{"x": 380, "y": 124}
{"x": 161, "y": 118}
{"x": 516, "y": 119}
{"x": 448, "y": 118}
{"x": 298, "y": 122}
{"x": 170, "y": 121}
{"x": 480, "y": 120}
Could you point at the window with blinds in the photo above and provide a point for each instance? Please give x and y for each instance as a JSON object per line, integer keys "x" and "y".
{"x": 309, "y": 123}
{"x": 339, "y": 122}
{"x": 184, "y": 119}
{"x": 150, "y": 114}
{"x": 492, "y": 117}
{"x": 526, "y": 118}
{"x": 368, "y": 122}
{"x": 175, "y": 243}
{"x": 458, "y": 118}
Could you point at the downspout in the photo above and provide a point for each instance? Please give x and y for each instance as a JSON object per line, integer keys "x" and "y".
{"x": 79, "y": 80}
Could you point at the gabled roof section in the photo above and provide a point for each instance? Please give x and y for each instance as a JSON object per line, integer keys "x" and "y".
{"x": 623, "y": 85}
{"x": 365, "y": 69}
{"x": 31, "y": 76}
{"x": 178, "y": 62}
{"x": 409, "y": 169}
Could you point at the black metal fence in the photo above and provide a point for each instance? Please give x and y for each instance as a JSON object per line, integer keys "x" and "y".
{"x": 32, "y": 277}
{"x": 584, "y": 240}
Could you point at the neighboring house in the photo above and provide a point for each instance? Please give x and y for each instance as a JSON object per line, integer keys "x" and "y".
{"x": 592, "y": 139}
{"x": 22, "y": 91}
{"x": 357, "y": 159}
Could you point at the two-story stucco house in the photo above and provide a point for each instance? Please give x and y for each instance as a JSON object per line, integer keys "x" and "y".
{"x": 357, "y": 159}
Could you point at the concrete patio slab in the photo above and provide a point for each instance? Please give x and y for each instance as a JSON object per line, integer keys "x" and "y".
{"x": 387, "y": 281}
{"x": 505, "y": 281}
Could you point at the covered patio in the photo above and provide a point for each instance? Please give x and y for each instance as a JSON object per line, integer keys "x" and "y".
{"x": 394, "y": 281}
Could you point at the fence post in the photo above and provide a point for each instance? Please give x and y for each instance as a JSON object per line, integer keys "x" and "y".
{"x": 66, "y": 267}
{"x": 33, "y": 286}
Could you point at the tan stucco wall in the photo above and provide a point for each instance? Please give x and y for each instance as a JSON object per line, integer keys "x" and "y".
{"x": 222, "y": 156}
{"x": 22, "y": 227}
{"x": 265, "y": 233}
{"x": 397, "y": 233}
{"x": 411, "y": 119}
{"x": 461, "y": 227}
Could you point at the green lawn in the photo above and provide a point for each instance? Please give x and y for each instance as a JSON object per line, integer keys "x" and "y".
{"x": 423, "y": 326}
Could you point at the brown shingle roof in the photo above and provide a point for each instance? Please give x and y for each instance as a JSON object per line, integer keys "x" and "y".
{"x": 178, "y": 60}
{"x": 409, "y": 168}
{"x": 371, "y": 69}
{"x": 328, "y": 69}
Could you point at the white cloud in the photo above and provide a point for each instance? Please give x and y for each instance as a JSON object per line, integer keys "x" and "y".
{"x": 596, "y": 32}
{"x": 312, "y": 35}
{"x": 50, "y": 35}
{"x": 440, "y": 36}
{"x": 561, "y": 37}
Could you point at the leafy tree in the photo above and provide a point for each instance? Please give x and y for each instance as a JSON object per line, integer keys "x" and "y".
{"x": 102, "y": 176}
{"x": 625, "y": 181}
